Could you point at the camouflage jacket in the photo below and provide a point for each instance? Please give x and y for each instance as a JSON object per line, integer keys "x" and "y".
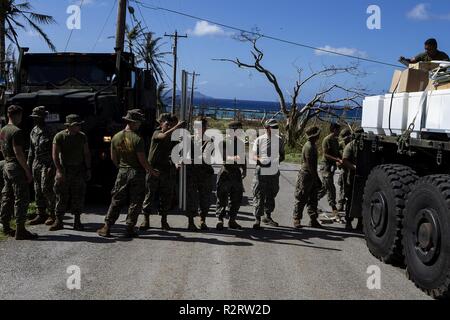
{"x": 41, "y": 143}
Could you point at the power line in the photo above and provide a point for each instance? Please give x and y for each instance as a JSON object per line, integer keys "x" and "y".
{"x": 71, "y": 31}
{"x": 104, "y": 26}
{"x": 267, "y": 36}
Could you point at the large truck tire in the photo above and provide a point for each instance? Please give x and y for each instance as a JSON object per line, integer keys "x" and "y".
{"x": 383, "y": 210}
{"x": 426, "y": 235}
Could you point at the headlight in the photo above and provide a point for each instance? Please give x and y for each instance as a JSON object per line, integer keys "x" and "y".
{"x": 107, "y": 139}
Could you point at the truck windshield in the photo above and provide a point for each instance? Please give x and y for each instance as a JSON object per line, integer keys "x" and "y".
{"x": 57, "y": 72}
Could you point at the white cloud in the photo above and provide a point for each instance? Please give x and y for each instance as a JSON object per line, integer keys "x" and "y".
{"x": 204, "y": 28}
{"x": 419, "y": 12}
{"x": 84, "y": 2}
{"x": 202, "y": 83}
{"x": 341, "y": 50}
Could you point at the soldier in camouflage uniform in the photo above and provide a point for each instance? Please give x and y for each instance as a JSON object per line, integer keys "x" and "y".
{"x": 17, "y": 177}
{"x": 349, "y": 161}
{"x": 330, "y": 160}
{"x": 2, "y": 181}
{"x": 230, "y": 188}
{"x": 40, "y": 160}
{"x": 128, "y": 154}
{"x": 72, "y": 160}
{"x": 199, "y": 180}
{"x": 345, "y": 138}
{"x": 308, "y": 182}
{"x": 159, "y": 159}
{"x": 266, "y": 186}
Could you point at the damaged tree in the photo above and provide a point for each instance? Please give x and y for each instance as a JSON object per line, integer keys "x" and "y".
{"x": 297, "y": 117}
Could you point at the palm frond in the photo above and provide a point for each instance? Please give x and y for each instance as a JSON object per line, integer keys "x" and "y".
{"x": 41, "y": 33}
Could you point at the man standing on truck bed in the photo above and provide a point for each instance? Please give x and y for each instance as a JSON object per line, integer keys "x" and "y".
{"x": 308, "y": 181}
{"x": 72, "y": 159}
{"x": 431, "y": 53}
{"x": 41, "y": 162}
{"x": 17, "y": 177}
{"x": 128, "y": 154}
{"x": 159, "y": 159}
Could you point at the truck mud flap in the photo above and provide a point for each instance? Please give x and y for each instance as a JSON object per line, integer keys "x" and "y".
{"x": 357, "y": 196}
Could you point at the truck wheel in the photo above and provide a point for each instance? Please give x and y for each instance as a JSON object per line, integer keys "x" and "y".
{"x": 384, "y": 201}
{"x": 426, "y": 235}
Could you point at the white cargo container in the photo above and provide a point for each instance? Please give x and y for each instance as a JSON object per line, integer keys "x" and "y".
{"x": 372, "y": 116}
{"x": 395, "y": 113}
{"x": 438, "y": 112}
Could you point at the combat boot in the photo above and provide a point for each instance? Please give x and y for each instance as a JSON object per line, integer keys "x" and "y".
{"x": 257, "y": 224}
{"x": 297, "y": 223}
{"x": 7, "y": 230}
{"x": 77, "y": 225}
{"x": 51, "y": 219}
{"x": 130, "y": 232}
{"x": 40, "y": 218}
{"x": 145, "y": 226}
{"x": 57, "y": 225}
{"x": 233, "y": 225}
{"x": 24, "y": 234}
{"x": 269, "y": 221}
{"x": 105, "y": 231}
{"x": 315, "y": 224}
{"x": 164, "y": 224}
{"x": 191, "y": 225}
{"x": 203, "y": 225}
{"x": 219, "y": 225}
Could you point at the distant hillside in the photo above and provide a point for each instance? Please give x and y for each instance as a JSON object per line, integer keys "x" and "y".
{"x": 197, "y": 96}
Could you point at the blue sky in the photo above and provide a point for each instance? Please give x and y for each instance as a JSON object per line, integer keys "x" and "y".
{"x": 338, "y": 25}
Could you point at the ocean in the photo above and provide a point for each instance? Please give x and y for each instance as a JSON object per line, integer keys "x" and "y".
{"x": 251, "y": 110}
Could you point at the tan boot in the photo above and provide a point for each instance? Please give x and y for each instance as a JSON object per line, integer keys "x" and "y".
{"x": 146, "y": 224}
{"x": 51, "y": 219}
{"x": 104, "y": 231}
{"x": 24, "y": 234}
{"x": 298, "y": 223}
{"x": 57, "y": 225}
{"x": 40, "y": 218}
{"x": 203, "y": 225}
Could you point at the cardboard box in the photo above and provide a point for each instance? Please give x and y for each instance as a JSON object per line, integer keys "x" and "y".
{"x": 424, "y": 66}
{"x": 410, "y": 80}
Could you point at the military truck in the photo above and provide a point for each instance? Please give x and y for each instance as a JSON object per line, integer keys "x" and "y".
{"x": 405, "y": 176}
{"x": 100, "y": 87}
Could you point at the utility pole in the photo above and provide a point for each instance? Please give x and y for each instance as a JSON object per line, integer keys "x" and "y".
{"x": 175, "y": 36}
{"x": 191, "y": 105}
{"x": 121, "y": 21}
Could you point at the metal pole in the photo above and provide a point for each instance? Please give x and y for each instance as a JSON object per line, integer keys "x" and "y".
{"x": 183, "y": 109}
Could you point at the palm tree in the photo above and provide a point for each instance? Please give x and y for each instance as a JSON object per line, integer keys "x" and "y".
{"x": 14, "y": 16}
{"x": 133, "y": 35}
{"x": 161, "y": 95}
{"x": 149, "y": 52}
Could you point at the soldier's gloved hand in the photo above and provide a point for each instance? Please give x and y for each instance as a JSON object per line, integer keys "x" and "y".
{"x": 153, "y": 172}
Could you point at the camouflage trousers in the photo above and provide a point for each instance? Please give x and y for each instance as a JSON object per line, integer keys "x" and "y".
{"x": 348, "y": 190}
{"x": 158, "y": 192}
{"x": 328, "y": 187}
{"x": 229, "y": 188}
{"x": 199, "y": 186}
{"x": 44, "y": 180}
{"x": 128, "y": 189}
{"x": 2, "y": 181}
{"x": 71, "y": 190}
{"x": 265, "y": 190}
{"x": 306, "y": 191}
{"x": 341, "y": 192}
{"x": 15, "y": 194}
